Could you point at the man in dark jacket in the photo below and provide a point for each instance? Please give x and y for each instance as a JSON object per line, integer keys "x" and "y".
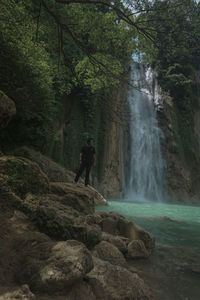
{"x": 87, "y": 159}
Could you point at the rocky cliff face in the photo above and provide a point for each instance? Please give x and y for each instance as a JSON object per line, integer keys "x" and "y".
{"x": 178, "y": 182}
{"x": 180, "y": 146}
{"x": 182, "y": 175}
{"x": 83, "y": 115}
{"x": 111, "y": 183}
{"x": 100, "y": 118}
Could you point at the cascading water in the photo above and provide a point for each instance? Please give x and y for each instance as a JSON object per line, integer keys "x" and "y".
{"x": 144, "y": 166}
{"x": 175, "y": 227}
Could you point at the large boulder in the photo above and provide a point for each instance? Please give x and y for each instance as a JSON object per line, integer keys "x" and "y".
{"x": 21, "y": 176}
{"x": 133, "y": 232}
{"x": 49, "y": 266}
{"x": 90, "y": 235}
{"x": 127, "y": 228}
{"x": 81, "y": 199}
{"x": 55, "y": 219}
{"x": 7, "y": 110}
{"x": 146, "y": 237}
{"x": 109, "y": 225}
{"x": 110, "y": 282}
{"x": 54, "y": 171}
{"x": 117, "y": 225}
{"x": 86, "y": 197}
{"x": 117, "y": 241}
{"x": 33, "y": 250}
{"x": 68, "y": 263}
{"x": 60, "y": 221}
{"x": 108, "y": 252}
{"x": 57, "y": 173}
{"x": 137, "y": 249}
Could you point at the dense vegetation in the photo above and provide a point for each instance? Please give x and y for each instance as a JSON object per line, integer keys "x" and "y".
{"x": 58, "y": 78}
{"x": 61, "y": 60}
{"x": 176, "y": 57}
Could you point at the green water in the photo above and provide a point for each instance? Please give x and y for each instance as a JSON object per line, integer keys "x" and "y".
{"x": 181, "y": 225}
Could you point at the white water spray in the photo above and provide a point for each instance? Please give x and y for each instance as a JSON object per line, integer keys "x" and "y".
{"x": 144, "y": 167}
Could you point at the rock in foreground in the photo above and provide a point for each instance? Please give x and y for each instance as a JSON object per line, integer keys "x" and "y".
{"x": 108, "y": 252}
{"x": 68, "y": 263}
{"x": 116, "y": 283}
{"x": 22, "y": 176}
{"x": 136, "y": 249}
{"x": 61, "y": 246}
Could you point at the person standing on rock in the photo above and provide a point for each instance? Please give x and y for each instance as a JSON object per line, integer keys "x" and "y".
{"x": 87, "y": 159}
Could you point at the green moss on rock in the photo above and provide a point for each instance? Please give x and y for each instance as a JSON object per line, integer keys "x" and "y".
{"x": 23, "y": 176}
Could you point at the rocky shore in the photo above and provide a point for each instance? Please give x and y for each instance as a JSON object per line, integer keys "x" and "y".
{"x": 54, "y": 245}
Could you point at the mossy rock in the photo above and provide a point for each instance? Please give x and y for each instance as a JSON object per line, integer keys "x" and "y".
{"x": 54, "y": 171}
{"x": 54, "y": 218}
{"x": 22, "y": 176}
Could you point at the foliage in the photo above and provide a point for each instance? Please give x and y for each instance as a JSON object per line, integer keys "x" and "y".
{"x": 40, "y": 64}
{"x": 100, "y": 42}
{"x": 59, "y": 62}
{"x": 97, "y": 75}
{"x": 176, "y": 57}
{"x": 25, "y": 76}
{"x": 176, "y": 33}
{"x": 58, "y": 78}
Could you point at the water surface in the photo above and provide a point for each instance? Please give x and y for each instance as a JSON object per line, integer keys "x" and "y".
{"x": 171, "y": 224}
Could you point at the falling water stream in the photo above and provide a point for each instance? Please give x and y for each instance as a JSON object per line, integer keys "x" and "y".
{"x": 176, "y": 227}
{"x": 144, "y": 166}
{"x": 144, "y": 198}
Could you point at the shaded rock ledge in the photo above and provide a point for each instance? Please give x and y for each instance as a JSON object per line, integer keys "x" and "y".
{"x": 58, "y": 246}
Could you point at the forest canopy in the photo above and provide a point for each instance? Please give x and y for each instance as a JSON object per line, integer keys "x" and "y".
{"x": 49, "y": 48}
{"x": 95, "y": 40}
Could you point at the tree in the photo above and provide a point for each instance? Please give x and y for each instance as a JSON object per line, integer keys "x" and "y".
{"x": 176, "y": 59}
{"x": 103, "y": 41}
{"x": 176, "y": 34}
{"x": 25, "y": 76}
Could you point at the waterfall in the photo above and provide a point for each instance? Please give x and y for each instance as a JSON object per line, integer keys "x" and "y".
{"x": 143, "y": 164}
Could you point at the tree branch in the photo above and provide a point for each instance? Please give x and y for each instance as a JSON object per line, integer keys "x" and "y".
{"x": 122, "y": 15}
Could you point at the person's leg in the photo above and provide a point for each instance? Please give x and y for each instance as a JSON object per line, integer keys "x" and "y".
{"x": 79, "y": 173}
{"x": 87, "y": 174}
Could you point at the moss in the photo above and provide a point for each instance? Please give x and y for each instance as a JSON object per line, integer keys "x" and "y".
{"x": 24, "y": 176}
{"x": 17, "y": 173}
{"x": 49, "y": 226}
{"x": 50, "y": 214}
